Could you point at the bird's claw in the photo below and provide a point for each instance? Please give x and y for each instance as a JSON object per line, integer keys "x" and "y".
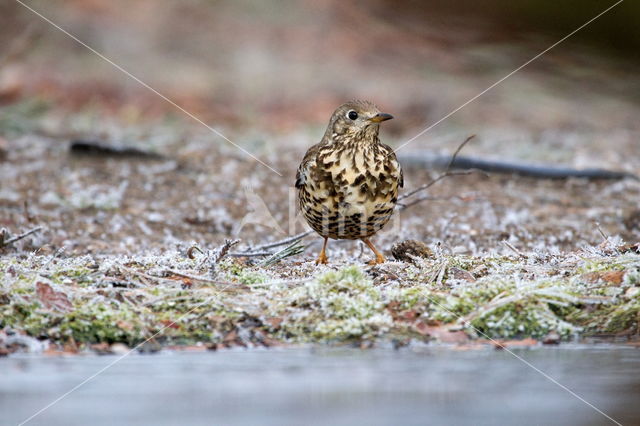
{"x": 377, "y": 261}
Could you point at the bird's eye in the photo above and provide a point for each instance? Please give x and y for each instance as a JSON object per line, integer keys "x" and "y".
{"x": 352, "y": 115}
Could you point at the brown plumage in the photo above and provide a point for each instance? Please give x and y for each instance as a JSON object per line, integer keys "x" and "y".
{"x": 348, "y": 183}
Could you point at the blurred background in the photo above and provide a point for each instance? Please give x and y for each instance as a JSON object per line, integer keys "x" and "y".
{"x": 268, "y": 75}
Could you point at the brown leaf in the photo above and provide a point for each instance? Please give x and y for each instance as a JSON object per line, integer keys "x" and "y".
{"x": 501, "y": 344}
{"x": 441, "y": 333}
{"x": 101, "y": 348}
{"x": 274, "y": 321}
{"x": 393, "y": 305}
{"x": 52, "y": 299}
{"x": 421, "y": 328}
{"x": 629, "y": 248}
{"x": 461, "y": 274}
{"x": 187, "y": 348}
{"x": 124, "y": 325}
{"x": 231, "y": 337}
{"x": 613, "y": 277}
{"x": 169, "y": 324}
{"x": 409, "y": 315}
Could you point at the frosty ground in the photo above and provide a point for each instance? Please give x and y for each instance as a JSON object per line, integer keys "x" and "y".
{"x": 114, "y": 261}
{"x": 108, "y": 263}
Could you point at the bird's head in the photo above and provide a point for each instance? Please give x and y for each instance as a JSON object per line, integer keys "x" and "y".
{"x": 356, "y": 119}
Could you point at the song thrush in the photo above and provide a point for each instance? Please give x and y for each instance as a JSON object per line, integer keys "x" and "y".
{"x": 348, "y": 183}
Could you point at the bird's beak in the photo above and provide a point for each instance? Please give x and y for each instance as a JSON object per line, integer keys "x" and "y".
{"x": 381, "y": 116}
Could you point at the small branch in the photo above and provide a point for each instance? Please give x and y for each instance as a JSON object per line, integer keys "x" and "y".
{"x": 283, "y": 242}
{"x": 250, "y": 254}
{"x": 296, "y": 248}
{"x": 222, "y": 251}
{"x": 57, "y": 253}
{"x": 202, "y": 279}
{"x": 143, "y": 275}
{"x": 216, "y": 256}
{"x": 3, "y": 235}
{"x": 457, "y": 151}
{"x": 447, "y": 173}
{"x": 513, "y": 249}
{"x": 604, "y": 236}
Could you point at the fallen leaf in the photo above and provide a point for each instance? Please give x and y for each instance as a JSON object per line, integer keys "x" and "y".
{"x": 441, "y": 333}
{"x": 274, "y": 321}
{"x": 231, "y": 337}
{"x": 187, "y": 348}
{"x": 52, "y": 299}
{"x": 461, "y": 274}
{"x": 613, "y": 277}
{"x": 169, "y": 324}
{"x": 125, "y": 325}
{"x": 393, "y": 306}
{"x": 629, "y": 248}
{"x": 409, "y": 315}
{"x": 101, "y": 348}
{"x": 501, "y": 344}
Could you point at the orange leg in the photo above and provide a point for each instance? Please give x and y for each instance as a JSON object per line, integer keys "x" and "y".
{"x": 322, "y": 257}
{"x": 379, "y": 257}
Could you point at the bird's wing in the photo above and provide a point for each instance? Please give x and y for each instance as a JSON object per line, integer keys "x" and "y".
{"x": 391, "y": 156}
{"x": 303, "y": 169}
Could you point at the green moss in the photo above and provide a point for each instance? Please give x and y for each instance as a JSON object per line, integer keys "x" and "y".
{"x": 339, "y": 305}
{"x": 103, "y": 322}
{"x": 605, "y": 264}
{"x": 22, "y": 117}
{"x": 510, "y": 298}
{"x": 249, "y": 277}
{"x": 235, "y": 271}
{"x": 532, "y": 318}
{"x": 624, "y": 318}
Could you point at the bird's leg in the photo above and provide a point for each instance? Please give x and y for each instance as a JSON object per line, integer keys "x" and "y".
{"x": 322, "y": 257}
{"x": 379, "y": 257}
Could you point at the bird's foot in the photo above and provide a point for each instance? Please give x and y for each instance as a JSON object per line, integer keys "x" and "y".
{"x": 322, "y": 259}
{"x": 378, "y": 260}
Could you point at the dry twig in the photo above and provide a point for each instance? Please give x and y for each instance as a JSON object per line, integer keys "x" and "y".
{"x": 4, "y": 234}
{"x": 447, "y": 173}
{"x": 263, "y": 249}
{"x": 279, "y": 243}
{"x": 296, "y": 248}
{"x": 513, "y": 249}
{"x": 203, "y": 279}
{"x": 216, "y": 256}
